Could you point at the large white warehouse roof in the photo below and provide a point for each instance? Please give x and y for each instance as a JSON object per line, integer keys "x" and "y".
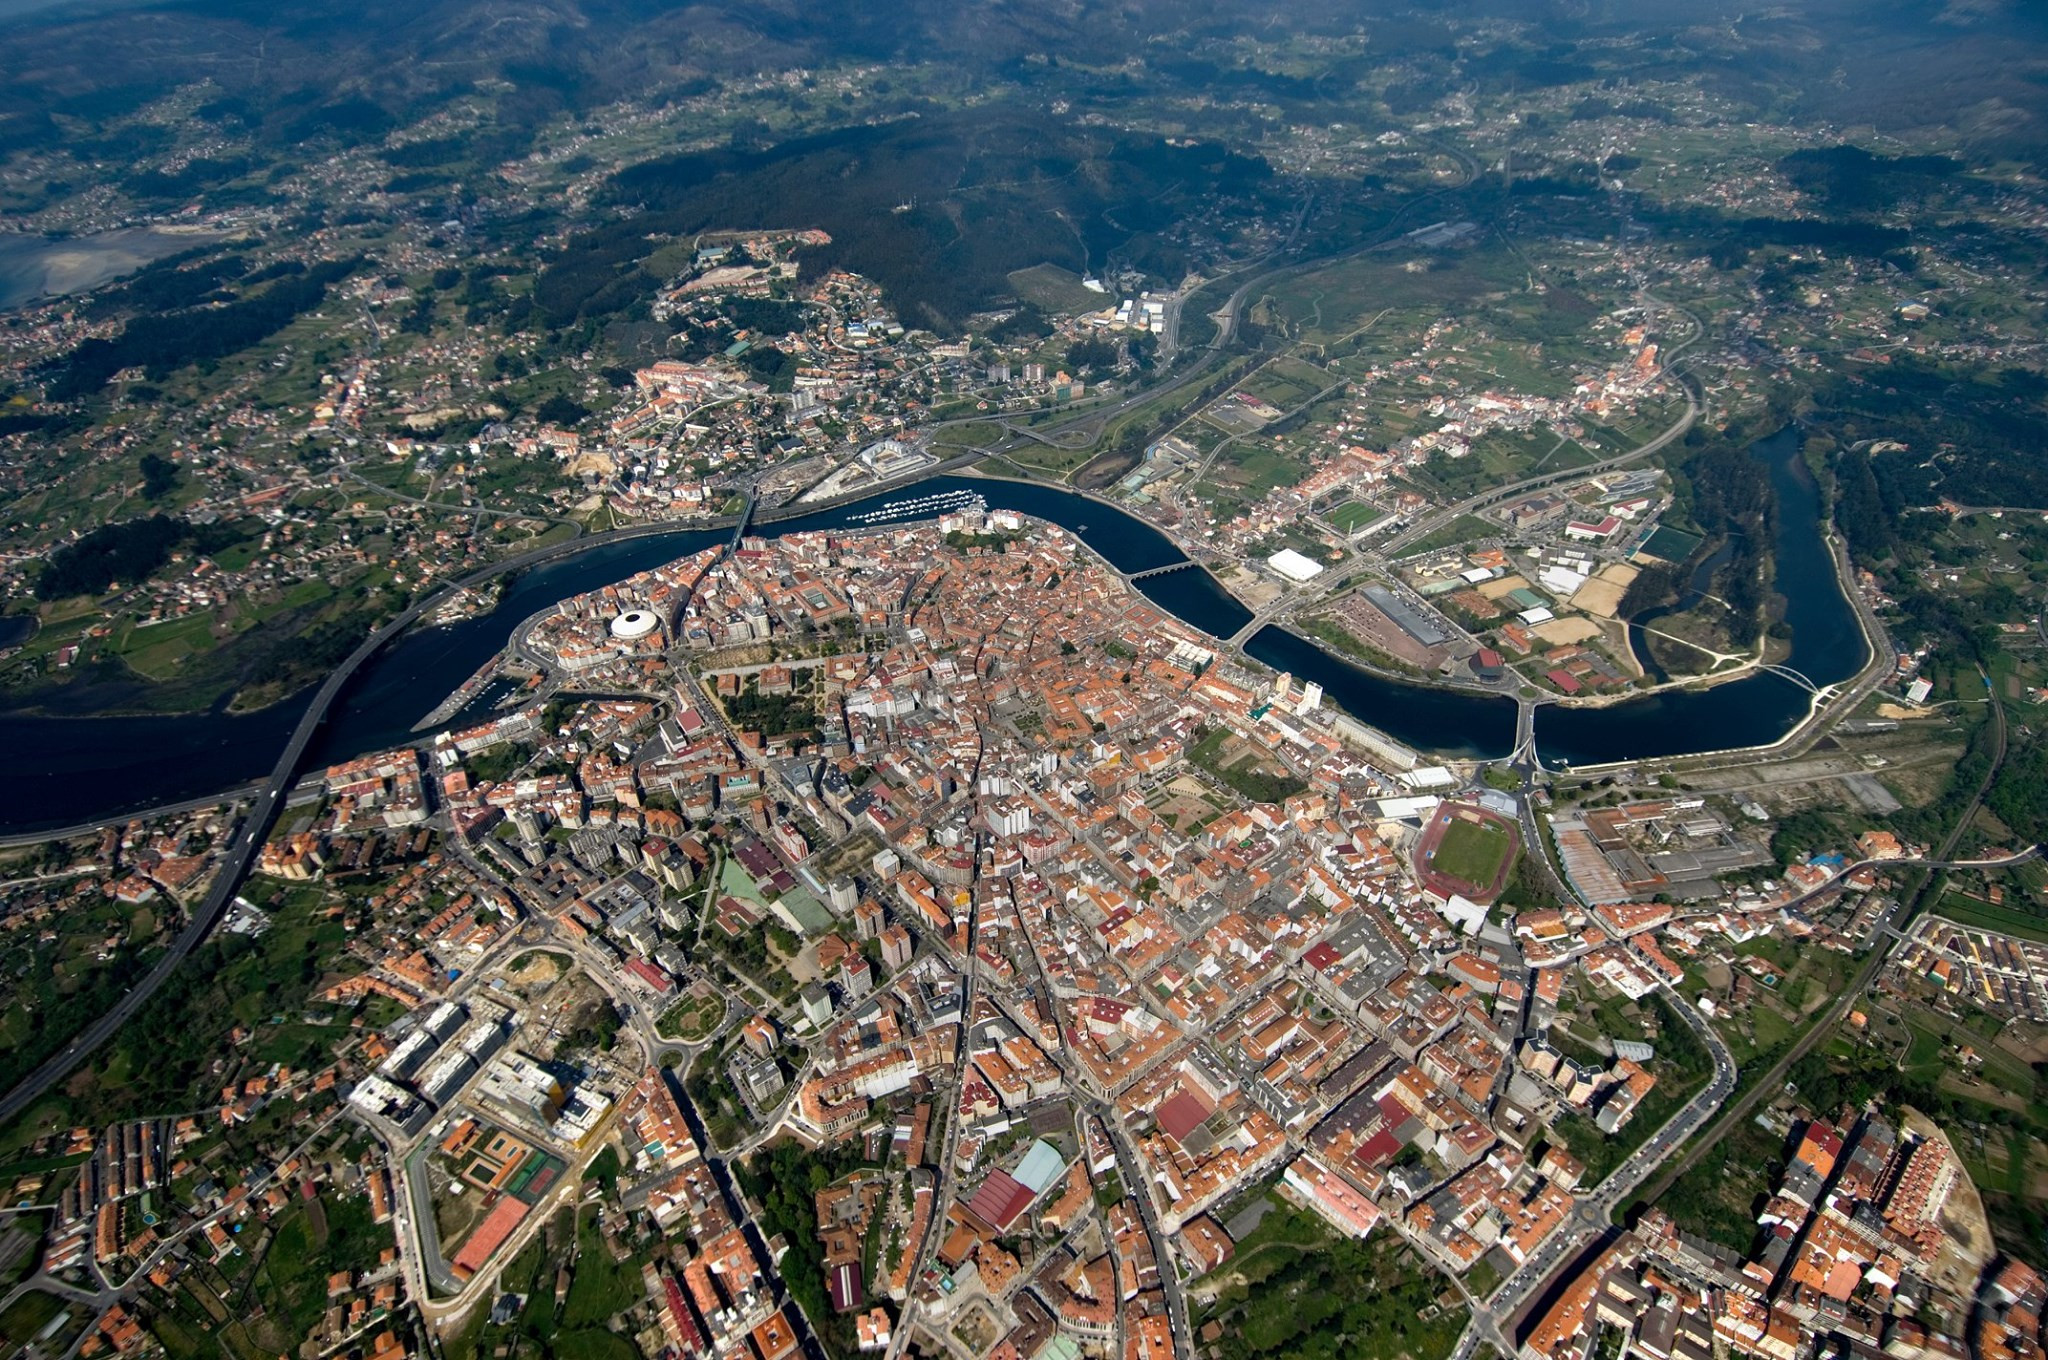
{"x": 1293, "y": 565}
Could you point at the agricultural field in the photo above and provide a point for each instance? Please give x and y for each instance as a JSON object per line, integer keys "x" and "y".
{"x": 1804, "y": 980}
{"x": 1503, "y": 457}
{"x": 158, "y": 651}
{"x": 1286, "y": 383}
{"x": 1053, "y": 289}
{"x": 1463, "y": 529}
{"x": 22, "y": 1319}
{"x": 1325, "y": 306}
{"x": 1244, "y": 471}
{"x": 1633, "y": 431}
{"x": 1970, "y": 910}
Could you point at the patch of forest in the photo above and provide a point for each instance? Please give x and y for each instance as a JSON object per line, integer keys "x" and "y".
{"x": 160, "y": 343}
{"x": 1876, "y": 508}
{"x": 937, "y": 210}
{"x": 1731, "y": 241}
{"x": 1725, "y": 491}
{"x": 128, "y": 552}
{"x": 1850, "y": 179}
{"x": 185, "y": 279}
{"x": 1970, "y": 437}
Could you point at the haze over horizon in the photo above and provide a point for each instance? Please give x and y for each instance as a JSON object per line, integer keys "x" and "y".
{"x": 1189, "y": 680}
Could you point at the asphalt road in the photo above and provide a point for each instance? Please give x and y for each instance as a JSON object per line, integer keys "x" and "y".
{"x": 1592, "y": 1216}
{"x": 270, "y": 797}
{"x": 1694, "y": 408}
{"x": 1889, "y": 930}
{"x": 246, "y": 842}
{"x": 248, "y": 838}
{"x": 160, "y": 810}
{"x": 270, "y": 800}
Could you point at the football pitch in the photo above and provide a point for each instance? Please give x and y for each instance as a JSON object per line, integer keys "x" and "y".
{"x": 1352, "y": 516}
{"x": 1471, "y": 851}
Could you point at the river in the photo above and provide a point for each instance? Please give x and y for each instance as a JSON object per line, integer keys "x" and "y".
{"x": 67, "y": 770}
{"x": 1828, "y": 647}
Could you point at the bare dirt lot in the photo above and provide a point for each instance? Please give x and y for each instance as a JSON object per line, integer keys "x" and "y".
{"x": 1254, "y": 590}
{"x": 1601, "y": 595}
{"x": 1969, "y": 1246}
{"x": 1564, "y": 631}
{"x": 1501, "y": 587}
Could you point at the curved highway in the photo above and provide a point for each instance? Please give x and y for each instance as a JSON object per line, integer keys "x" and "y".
{"x": 62, "y": 833}
{"x": 270, "y": 796}
{"x": 246, "y": 840}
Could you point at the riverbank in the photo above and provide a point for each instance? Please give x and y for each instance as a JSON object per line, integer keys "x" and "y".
{"x": 1748, "y": 666}
{"x": 1824, "y": 707}
{"x": 232, "y": 703}
{"x": 70, "y": 770}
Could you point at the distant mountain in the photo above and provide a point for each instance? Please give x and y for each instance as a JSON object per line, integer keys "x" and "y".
{"x": 294, "y": 69}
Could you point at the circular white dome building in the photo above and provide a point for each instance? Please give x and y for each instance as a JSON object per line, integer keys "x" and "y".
{"x": 634, "y": 623}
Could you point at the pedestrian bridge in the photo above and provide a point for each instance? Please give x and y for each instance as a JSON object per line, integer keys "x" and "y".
{"x": 1787, "y": 673}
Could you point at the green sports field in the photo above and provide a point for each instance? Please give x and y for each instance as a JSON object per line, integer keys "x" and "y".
{"x": 1472, "y": 851}
{"x": 1352, "y": 516}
